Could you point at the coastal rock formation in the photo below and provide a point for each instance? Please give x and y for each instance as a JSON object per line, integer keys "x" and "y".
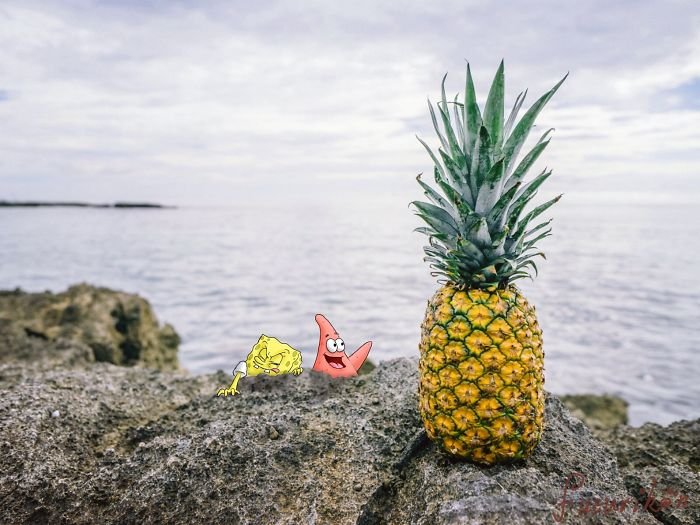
{"x": 119, "y": 328}
{"x": 597, "y": 411}
{"x": 660, "y": 465}
{"x": 83, "y": 440}
{"x": 665, "y": 460}
{"x": 133, "y": 445}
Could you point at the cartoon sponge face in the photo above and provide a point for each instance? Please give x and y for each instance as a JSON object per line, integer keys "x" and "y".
{"x": 273, "y": 357}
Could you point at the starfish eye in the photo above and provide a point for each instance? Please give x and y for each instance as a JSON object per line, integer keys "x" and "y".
{"x": 341, "y": 344}
{"x": 331, "y": 345}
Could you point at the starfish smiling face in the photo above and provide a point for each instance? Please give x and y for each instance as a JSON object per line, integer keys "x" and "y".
{"x": 331, "y": 358}
{"x": 335, "y": 353}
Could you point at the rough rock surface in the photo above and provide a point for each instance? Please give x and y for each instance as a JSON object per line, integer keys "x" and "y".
{"x": 132, "y": 445}
{"x": 82, "y": 441}
{"x": 665, "y": 462}
{"x": 118, "y": 327}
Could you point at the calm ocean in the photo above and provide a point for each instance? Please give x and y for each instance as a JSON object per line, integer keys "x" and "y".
{"x": 618, "y": 297}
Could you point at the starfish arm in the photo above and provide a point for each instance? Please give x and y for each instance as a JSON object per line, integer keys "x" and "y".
{"x": 358, "y": 357}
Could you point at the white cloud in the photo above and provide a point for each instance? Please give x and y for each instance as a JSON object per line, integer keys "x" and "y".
{"x": 185, "y": 103}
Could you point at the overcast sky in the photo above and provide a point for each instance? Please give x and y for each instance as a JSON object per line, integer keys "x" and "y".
{"x": 215, "y": 102}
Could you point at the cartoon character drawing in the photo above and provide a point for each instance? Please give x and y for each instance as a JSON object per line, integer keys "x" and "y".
{"x": 331, "y": 358}
{"x": 269, "y": 356}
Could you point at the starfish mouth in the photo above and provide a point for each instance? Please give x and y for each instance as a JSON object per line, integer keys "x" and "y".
{"x": 334, "y": 362}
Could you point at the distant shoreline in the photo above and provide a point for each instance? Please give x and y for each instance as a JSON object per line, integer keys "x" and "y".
{"x": 67, "y": 204}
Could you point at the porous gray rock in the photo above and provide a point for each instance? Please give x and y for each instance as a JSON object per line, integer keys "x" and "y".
{"x": 118, "y": 327}
{"x": 133, "y": 445}
{"x": 436, "y": 489}
{"x": 84, "y": 441}
{"x": 661, "y": 468}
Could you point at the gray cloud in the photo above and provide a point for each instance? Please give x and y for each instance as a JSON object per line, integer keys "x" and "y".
{"x": 210, "y": 102}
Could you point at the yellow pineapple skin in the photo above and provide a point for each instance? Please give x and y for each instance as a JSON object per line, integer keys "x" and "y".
{"x": 481, "y": 391}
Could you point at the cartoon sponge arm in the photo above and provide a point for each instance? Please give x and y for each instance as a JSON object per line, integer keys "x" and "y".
{"x": 232, "y": 390}
{"x": 240, "y": 371}
{"x": 360, "y": 355}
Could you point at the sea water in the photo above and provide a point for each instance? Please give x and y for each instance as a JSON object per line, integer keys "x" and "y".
{"x": 618, "y": 298}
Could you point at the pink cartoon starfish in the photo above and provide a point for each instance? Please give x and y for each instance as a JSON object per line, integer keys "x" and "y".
{"x": 331, "y": 358}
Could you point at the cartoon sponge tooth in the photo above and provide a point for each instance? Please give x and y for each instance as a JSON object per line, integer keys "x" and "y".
{"x": 331, "y": 358}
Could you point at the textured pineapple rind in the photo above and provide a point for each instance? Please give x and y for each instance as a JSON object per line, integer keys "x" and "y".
{"x": 481, "y": 392}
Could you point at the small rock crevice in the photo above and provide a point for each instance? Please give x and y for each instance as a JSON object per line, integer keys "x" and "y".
{"x": 378, "y": 505}
{"x": 31, "y": 332}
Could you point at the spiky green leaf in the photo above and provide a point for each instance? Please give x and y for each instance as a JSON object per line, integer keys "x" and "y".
{"x": 476, "y": 235}
{"x": 538, "y": 210}
{"x": 481, "y": 160}
{"x": 479, "y": 233}
{"x": 498, "y": 215}
{"x": 523, "y": 196}
{"x": 472, "y": 113}
{"x": 514, "y": 114}
{"x": 491, "y": 188}
{"x": 459, "y": 124}
{"x": 454, "y": 146}
{"x": 437, "y": 218}
{"x": 512, "y": 146}
{"x": 437, "y": 199}
{"x": 533, "y": 242}
{"x": 469, "y": 249}
{"x": 527, "y": 162}
{"x": 493, "y": 111}
{"x": 438, "y": 132}
{"x": 437, "y": 163}
{"x": 460, "y": 198}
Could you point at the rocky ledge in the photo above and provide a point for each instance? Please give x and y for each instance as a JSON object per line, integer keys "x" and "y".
{"x": 82, "y": 441}
{"x": 50, "y": 329}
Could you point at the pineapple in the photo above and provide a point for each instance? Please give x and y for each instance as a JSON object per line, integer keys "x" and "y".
{"x": 481, "y": 391}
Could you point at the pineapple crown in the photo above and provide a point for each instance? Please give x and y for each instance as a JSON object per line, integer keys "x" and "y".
{"x": 478, "y": 236}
